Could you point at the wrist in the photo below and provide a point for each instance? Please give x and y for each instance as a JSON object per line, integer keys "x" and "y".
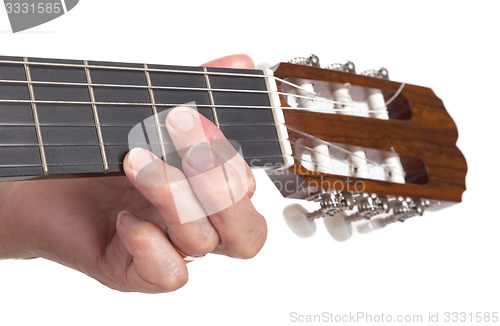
{"x": 13, "y": 241}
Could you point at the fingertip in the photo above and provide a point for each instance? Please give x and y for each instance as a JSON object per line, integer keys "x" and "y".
{"x": 241, "y": 61}
{"x": 181, "y": 119}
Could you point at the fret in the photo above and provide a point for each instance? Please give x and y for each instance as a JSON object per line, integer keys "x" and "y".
{"x": 96, "y": 119}
{"x": 211, "y": 97}
{"x": 127, "y": 114}
{"x": 117, "y": 122}
{"x": 170, "y": 76}
{"x": 66, "y": 127}
{"x": 119, "y": 77}
{"x": 155, "y": 113}
{"x": 18, "y": 161}
{"x": 239, "y": 83}
{"x": 262, "y": 119}
{"x": 35, "y": 118}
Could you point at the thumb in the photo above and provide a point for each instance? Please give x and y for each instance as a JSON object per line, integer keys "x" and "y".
{"x": 156, "y": 265}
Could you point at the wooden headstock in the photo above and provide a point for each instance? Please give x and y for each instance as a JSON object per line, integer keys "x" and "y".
{"x": 420, "y": 131}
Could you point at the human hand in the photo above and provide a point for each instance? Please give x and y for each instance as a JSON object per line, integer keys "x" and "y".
{"x": 74, "y": 221}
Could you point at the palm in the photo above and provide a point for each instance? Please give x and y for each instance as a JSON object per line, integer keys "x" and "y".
{"x": 75, "y": 219}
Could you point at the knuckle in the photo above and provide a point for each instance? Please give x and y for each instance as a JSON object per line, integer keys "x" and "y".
{"x": 198, "y": 245}
{"x": 141, "y": 238}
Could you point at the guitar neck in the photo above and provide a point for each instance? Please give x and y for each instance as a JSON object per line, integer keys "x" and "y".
{"x": 60, "y": 117}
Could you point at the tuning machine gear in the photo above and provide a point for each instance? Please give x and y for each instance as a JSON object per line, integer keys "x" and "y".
{"x": 340, "y": 210}
{"x": 402, "y": 209}
{"x": 333, "y": 205}
{"x": 312, "y": 60}
{"x": 380, "y": 73}
{"x": 345, "y": 67}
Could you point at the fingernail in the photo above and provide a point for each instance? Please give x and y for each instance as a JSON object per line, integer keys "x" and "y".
{"x": 201, "y": 158}
{"x": 141, "y": 159}
{"x": 127, "y": 219}
{"x": 181, "y": 119}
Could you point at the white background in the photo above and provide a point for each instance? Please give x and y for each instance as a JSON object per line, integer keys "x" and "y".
{"x": 443, "y": 261}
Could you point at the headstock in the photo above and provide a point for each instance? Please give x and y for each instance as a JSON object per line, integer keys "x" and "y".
{"x": 365, "y": 148}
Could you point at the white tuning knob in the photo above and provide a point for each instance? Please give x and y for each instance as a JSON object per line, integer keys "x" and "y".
{"x": 337, "y": 226}
{"x": 297, "y": 220}
{"x": 371, "y": 225}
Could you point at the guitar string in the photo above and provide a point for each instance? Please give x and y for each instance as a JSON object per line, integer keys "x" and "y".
{"x": 334, "y": 147}
{"x": 122, "y": 125}
{"x": 143, "y": 69}
{"x": 273, "y": 167}
{"x": 178, "y": 88}
{"x": 316, "y": 98}
{"x": 383, "y": 166}
{"x": 304, "y": 134}
{"x": 218, "y": 106}
{"x": 122, "y": 162}
{"x": 227, "y": 90}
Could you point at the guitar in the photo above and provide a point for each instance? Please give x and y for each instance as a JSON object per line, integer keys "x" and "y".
{"x": 369, "y": 150}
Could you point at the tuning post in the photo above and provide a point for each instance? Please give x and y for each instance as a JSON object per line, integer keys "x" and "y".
{"x": 333, "y": 205}
{"x": 333, "y": 208}
{"x": 340, "y": 210}
{"x": 402, "y": 209}
{"x": 345, "y": 67}
{"x": 331, "y": 202}
{"x": 312, "y": 60}
{"x": 380, "y": 73}
{"x": 369, "y": 205}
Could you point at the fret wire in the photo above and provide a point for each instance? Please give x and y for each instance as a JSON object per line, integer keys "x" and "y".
{"x": 36, "y": 119}
{"x": 155, "y": 112}
{"x": 96, "y": 119}
{"x": 211, "y": 98}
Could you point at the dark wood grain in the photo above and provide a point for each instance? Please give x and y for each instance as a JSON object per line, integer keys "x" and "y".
{"x": 430, "y": 134}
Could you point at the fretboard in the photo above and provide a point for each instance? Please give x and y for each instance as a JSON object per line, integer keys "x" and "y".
{"x": 60, "y": 117}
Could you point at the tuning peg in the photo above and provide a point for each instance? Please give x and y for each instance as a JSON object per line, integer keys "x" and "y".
{"x": 297, "y": 219}
{"x": 338, "y": 227}
{"x": 312, "y": 60}
{"x": 345, "y": 67}
{"x": 380, "y": 73}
